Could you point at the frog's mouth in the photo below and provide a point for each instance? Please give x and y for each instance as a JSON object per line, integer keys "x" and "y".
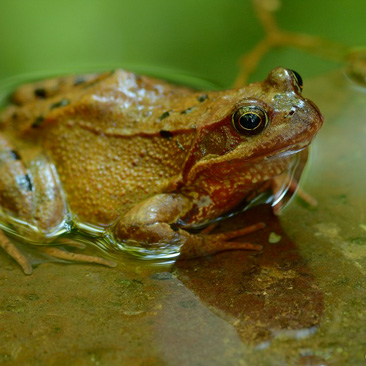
{"x": 284, "y": 152}
{"x": 270, "y": 153}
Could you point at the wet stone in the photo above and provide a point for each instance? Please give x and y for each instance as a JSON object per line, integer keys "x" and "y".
{"x": 162, "y": 276}
{"x": 188, "y": 304}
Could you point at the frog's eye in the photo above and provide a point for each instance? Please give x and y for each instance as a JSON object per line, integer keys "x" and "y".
{"x": 297, "y": 78}
{"x": 249, "y": 120}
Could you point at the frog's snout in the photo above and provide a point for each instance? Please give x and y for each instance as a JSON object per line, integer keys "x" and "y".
{"x": 317, "y": 115}
{"x": 304, "y": 124}
{"x": 316, "y": 108}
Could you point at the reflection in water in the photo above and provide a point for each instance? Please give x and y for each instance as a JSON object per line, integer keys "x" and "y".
{"x": 263, "y": 295}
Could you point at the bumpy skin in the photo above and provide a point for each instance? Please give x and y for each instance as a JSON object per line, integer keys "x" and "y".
{"x": 143, "y": 159}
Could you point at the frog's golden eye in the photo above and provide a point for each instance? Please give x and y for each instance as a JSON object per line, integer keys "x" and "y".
{"x": 297, "y": 78}
{"x": 249, "y": 120}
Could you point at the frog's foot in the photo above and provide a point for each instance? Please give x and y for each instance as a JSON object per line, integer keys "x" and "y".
{"x": 54, "y": 252}
{"x": 200, "y": 245}
{"x": 15, "y": 253}
{"x": 152, "y": 224}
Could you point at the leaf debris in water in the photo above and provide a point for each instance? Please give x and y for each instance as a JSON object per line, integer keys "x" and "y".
{"x": 363, "y": 226}
{"x": 274, "y": 238}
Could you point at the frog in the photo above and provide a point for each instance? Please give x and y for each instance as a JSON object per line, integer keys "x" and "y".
{"x": 146, "y": 164}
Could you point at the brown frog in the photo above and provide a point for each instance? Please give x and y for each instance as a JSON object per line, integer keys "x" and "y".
{"x": 140, "y": 161}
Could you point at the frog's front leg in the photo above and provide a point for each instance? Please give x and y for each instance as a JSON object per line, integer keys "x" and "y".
{"x": 31, "y": 201}
{"x": 154, "y": 223}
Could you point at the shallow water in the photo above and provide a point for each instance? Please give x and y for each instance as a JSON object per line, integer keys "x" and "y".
{"x": 299, "y": 302}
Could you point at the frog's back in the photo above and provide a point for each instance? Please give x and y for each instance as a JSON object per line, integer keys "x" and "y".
{"x": 115, "y": 103}
{"x": 120, "y": 100}
{"x": 103, "y": 136}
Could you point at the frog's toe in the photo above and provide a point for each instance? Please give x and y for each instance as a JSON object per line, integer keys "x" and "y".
{"x": 21, "y": 259}
{"x": 76, "y": 257}
{"x": 201, "y": 245}
{"x": 71, "y": 243}
{"x": 15, "y": 253}
{"x": 211, "y": 246}
{"x": 237, "y": 233}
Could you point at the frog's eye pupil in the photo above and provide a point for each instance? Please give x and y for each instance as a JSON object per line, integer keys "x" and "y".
{"x": 298, "y": 79}
{"x": 249, "y": 120}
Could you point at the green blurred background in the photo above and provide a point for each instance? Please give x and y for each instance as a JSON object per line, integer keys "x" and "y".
{"x": 201, "y": 37}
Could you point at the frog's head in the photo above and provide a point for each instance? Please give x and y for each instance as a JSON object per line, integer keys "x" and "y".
{"x": 263, "y": 122}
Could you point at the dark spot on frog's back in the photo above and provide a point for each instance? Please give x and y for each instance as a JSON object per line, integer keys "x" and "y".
{"x": 14, "y": 155}
{"x": 61, "y": 103}
{"x": 166, "y": 134}
{"x": 24, "y": 182}
{"x": 37, "y": 122}
{"x": 188, "y": 110}
{"x": 40, "y": 93}
{"x": 79, "y": 80}
{"x": 202, "y": 98}
{"x": 164, "y": 115}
